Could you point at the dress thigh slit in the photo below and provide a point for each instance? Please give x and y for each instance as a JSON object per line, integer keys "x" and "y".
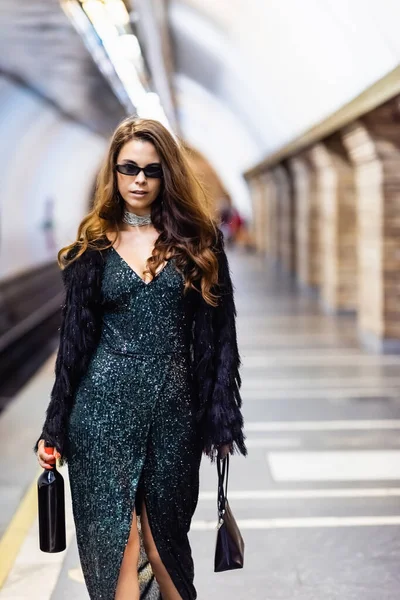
{"x": 171, "y": 476}
{"x": 148, "y": 586}
{"x": 126, "y": 448}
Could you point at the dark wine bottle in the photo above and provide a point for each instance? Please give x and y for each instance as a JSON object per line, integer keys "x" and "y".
{"x": 51, "y": 504}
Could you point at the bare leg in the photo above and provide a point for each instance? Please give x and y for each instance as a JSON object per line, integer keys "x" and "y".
{"x": 167, "y": 587}
{"x": 128, "y": 586}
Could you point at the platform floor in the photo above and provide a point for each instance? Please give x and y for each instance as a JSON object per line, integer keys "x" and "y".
{"x": 318, "y": 498}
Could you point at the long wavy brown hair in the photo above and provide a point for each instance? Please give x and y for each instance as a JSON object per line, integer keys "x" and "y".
{"x": 181, "y": 212}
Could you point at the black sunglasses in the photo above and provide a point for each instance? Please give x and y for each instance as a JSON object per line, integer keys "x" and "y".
{"x": 151, "y": 171}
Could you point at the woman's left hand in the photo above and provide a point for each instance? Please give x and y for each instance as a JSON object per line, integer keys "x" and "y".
{"x": 224, "y": 451}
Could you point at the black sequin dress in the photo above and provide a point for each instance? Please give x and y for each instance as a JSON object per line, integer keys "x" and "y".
{"x": 132, "y": 433}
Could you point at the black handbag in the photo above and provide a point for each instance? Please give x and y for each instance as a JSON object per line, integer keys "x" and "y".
{"x": 229, "y": 549}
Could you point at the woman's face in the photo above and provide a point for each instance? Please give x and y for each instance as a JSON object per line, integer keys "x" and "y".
{"x": 138, "y": 191}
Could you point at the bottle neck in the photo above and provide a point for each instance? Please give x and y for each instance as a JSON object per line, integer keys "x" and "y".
{"x": 49, "y": 450}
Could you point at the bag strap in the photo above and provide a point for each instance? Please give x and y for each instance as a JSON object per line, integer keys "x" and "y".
{"x": 223, "y": 475}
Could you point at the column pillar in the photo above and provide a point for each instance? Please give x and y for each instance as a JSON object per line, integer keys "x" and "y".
{"x": 259, "y": 224}
{"x": 286, "y": 237}
{"x": 374, "y": 147}
{"x": 273, "y": 216}
{"x": 335, "y": 183}
{"x": 307, "y": 221}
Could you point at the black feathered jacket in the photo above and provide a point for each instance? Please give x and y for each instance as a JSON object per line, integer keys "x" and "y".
{"x": 214, "y": 352}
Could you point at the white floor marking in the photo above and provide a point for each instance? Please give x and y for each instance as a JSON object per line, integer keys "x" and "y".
{"x": 349, "y": 424}
{"x": 288, "y": 337}
{"x": 265, "y": 394}
{"x": 352, "y": 465}
{"x": 306, "y": 522}
{"x": 274, "y": 443}
{"x": 76, "y": 574}
{"x": 256, "y": 362}
{"x": 289, "y": 353}
{"x": 309, "y": 493}
{"x": 291, "y": 381}
{"x": 35, "y": 573}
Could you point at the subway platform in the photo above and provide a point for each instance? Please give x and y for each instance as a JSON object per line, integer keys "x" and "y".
{"x": 317, "y": 499}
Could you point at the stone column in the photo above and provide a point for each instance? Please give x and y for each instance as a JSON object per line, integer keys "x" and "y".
{"x": 337, "y": 225}
{"x": 374, "y": 147}
{"x": 307, "y": 221}
{"x": 258, "y": 225}
{"x": 286, "y": 225}
{"x": 272, "y": 231}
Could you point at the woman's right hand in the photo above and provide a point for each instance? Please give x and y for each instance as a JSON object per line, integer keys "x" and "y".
{"x": 46, "y": 460}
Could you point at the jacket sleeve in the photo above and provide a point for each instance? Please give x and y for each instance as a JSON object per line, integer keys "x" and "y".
{"x": 224, "y": 420}
{"x": 76, "y": 333}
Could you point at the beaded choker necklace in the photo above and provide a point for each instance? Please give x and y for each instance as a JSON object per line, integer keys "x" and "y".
{"x": 132, "y": 219}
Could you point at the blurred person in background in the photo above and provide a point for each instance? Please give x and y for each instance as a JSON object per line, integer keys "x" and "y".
{"x": 232, "y": 223}
{"x": 236, "y": 224}
{"x": 147, "y": 368}
{"x": 225, "y": 214}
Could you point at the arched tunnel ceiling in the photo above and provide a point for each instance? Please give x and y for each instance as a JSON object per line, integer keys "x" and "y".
{"x": 40, "y": 48}
{"x": 280, "y": 67}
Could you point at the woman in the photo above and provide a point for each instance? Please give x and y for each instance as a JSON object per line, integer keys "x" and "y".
{"x": 147, "y": 369}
